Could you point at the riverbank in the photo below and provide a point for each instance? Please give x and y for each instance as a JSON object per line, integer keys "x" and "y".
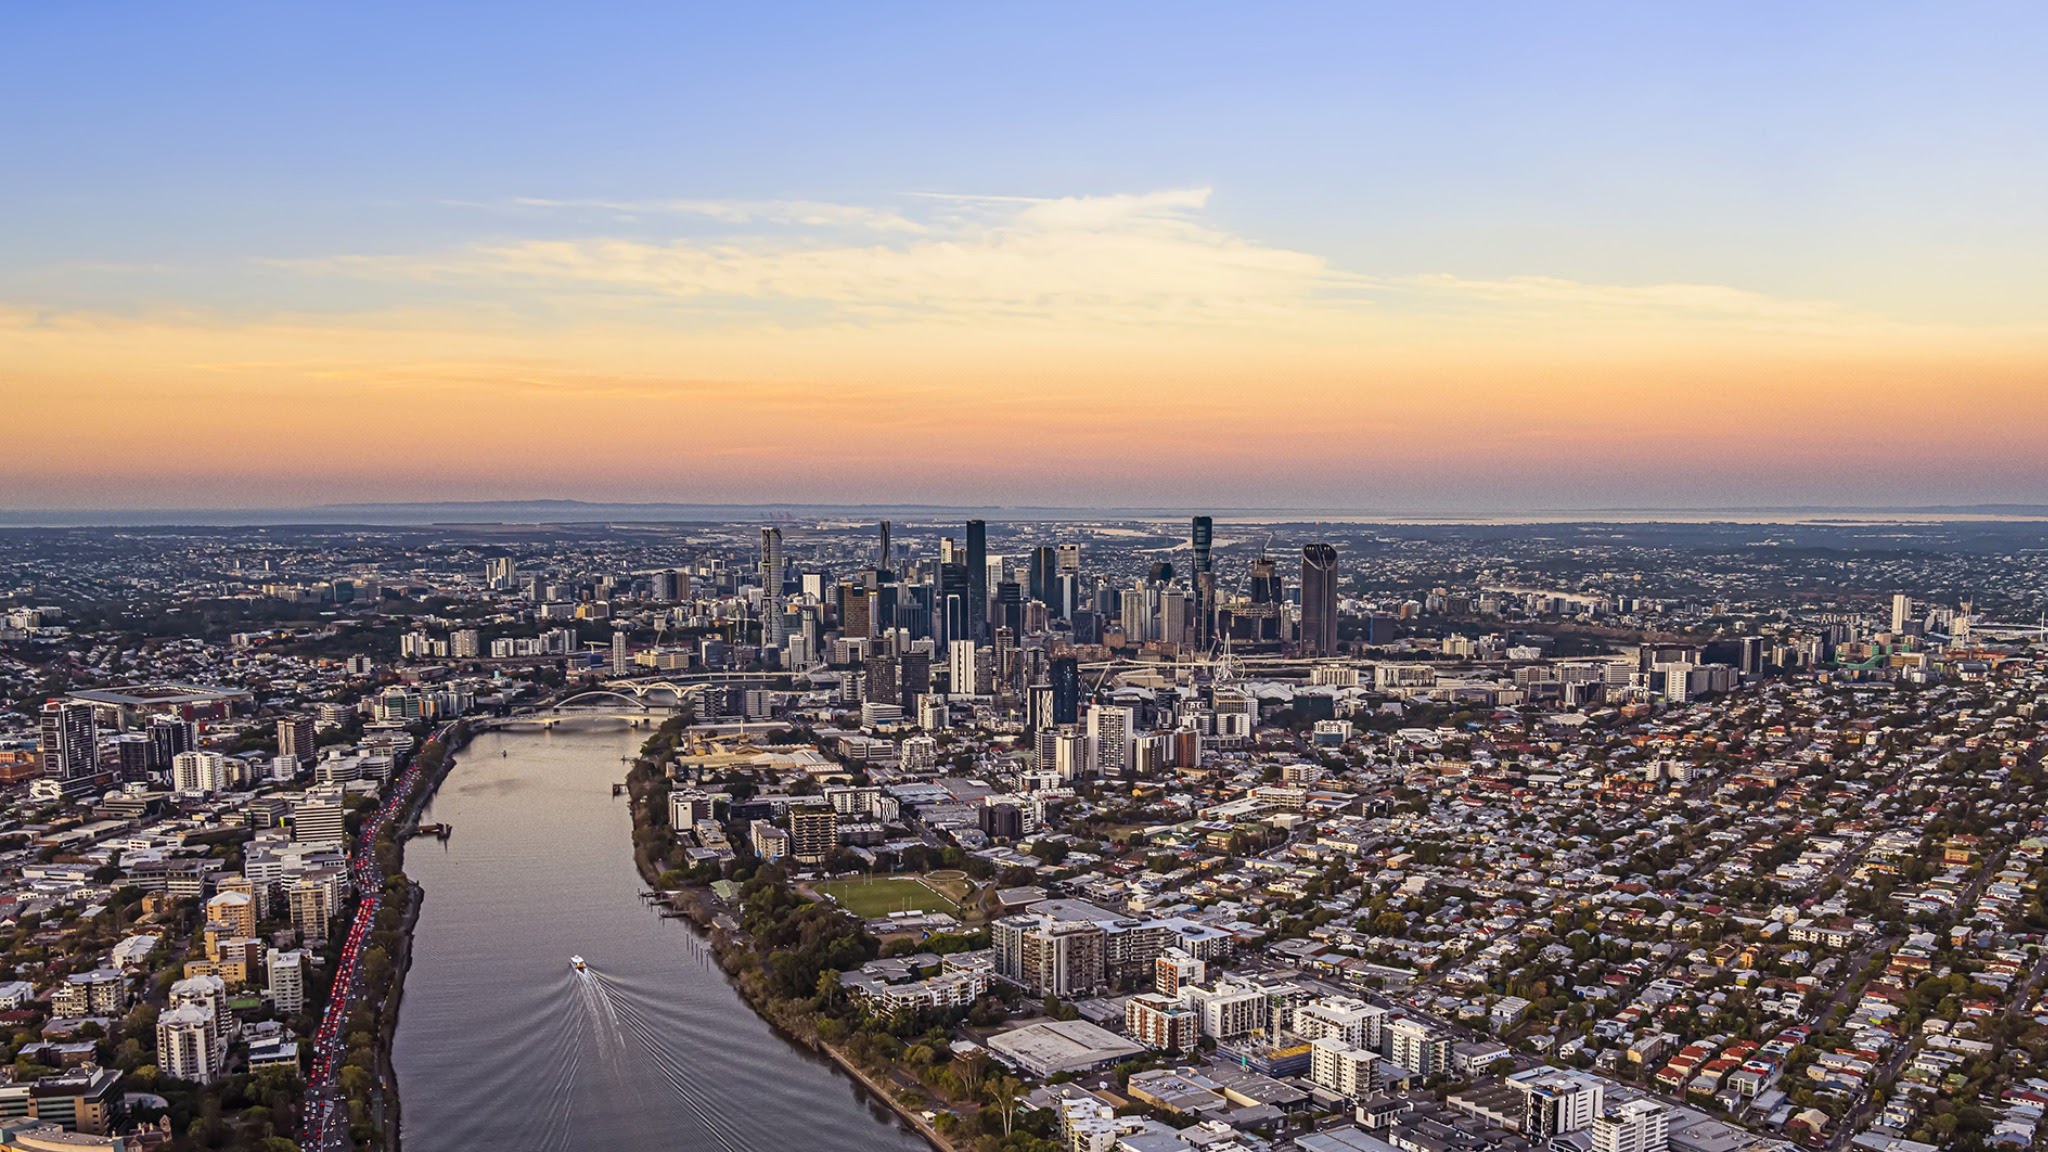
{"x": 390, "y": 1111}
{"x": 730, "y": 944}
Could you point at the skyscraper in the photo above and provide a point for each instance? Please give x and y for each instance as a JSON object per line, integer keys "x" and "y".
{"x": 1201, "y": 534}
{"x": 1065, "y": 674}
{"x": 977, "y": 580}
{"x": 168, "y": 736}
{"x": 1039, "y": 587}
{"x": 1009, "y": 609}
{"x": 1319, "y": 599}
{"x": 949, "y": 610}
{"x": 772, "y": 628}
{"x": 887, "y": 559}
{"x": 70, "y": 740}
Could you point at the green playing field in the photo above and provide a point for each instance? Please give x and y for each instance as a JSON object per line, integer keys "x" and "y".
{"x": 882, "y": 895}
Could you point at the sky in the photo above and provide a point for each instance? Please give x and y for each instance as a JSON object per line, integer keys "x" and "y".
{"x": 1370, "y": 257}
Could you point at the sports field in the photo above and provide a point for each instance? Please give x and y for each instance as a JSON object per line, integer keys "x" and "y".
{"x": 881, "y": 895}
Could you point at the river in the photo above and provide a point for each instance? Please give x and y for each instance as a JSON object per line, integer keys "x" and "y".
{"x": 501, "y": 1044}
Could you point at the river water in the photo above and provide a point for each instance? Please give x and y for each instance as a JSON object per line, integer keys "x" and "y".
{"x": 502, "y": 1045}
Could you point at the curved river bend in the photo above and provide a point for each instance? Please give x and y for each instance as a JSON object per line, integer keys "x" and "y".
{"x": 502, "y": 1045}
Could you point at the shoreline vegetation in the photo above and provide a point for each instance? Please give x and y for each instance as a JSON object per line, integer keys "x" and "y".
{"x": 369, "y": 1079}
{"x": 783, "y": 952}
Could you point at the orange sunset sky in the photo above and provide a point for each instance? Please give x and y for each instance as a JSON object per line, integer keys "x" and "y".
{"x": 1346, "y": 258}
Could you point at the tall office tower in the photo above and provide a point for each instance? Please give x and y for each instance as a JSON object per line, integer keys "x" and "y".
{"x": 884, "y": 682}
{"x": 1319, "y": 599}
{"x": 501, "y": 573}
{"x": 1066, "y": 690}
{"x": 949, "y": 550}
{"x": 914, "y": 675}
{"x": 671, "y": 586}
{"x": 856, "y": 615}
{"x": 884, "y": 595}
{"x": 1066, "y": 595}
{"x": 1009, "y": 612}
{"x": 70, "y": 740}
{"x": 949, "y": 609}
{"x": 1070, "y": 559}
{"x": 887, "y": 560}
{"x": 1039, "y": 585}
{"x": 295, "y": 738}
{"x": 962, "y": 661}
{"x": 1173, "y": 616}
{"x": 1134, "y": 618}
{"x": 1902, "y": 612}
{"x": 1201, "y": 534}
{"x": 977, "y": 580}
{"x": 774, "y": 634}
{"x": 169, "y": 736}
{"x": 622, "y": 661}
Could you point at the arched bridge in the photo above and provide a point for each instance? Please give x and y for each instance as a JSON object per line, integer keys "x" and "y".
{"x": 663, "y": 693}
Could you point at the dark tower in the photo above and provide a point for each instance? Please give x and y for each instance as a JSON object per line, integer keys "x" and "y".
{"x": 949, "y": 611}
{"x": 1039, "y": 587}
{"x": 1065, "y": 673}
{"x": 1201, "y": 533}
{"x": 1010, "y": 607}
{"x": 977, "y": 581}
{"x": 1319, "y": 599}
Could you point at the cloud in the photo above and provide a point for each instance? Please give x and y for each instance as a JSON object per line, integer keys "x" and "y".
{"x": 1151, "y": 260}
{"x": 802, "y": 213}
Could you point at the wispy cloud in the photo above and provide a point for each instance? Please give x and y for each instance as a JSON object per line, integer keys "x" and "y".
{"x": 1152, "y": 258}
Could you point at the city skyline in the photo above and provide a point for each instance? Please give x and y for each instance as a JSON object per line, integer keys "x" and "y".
{"x": 1485, "y": 261}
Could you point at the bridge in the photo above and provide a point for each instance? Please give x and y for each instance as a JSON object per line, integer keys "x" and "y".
{"x": 547, "y": 720}
{"x": 666, "y": 693}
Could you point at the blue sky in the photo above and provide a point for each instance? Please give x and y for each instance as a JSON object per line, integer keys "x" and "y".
{"x": 1879, "y": 158}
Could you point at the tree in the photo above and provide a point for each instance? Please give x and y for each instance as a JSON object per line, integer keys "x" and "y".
{"x": 1006, "y": 1092}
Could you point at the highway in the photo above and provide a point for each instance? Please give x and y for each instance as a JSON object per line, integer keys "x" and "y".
{"x": 324, "y": 1120}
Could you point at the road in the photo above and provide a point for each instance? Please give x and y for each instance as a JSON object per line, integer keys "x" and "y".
{"x": 324, "y": 1120}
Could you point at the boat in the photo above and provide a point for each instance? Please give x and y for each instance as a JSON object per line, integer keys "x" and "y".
{"x": 576, "y": 962}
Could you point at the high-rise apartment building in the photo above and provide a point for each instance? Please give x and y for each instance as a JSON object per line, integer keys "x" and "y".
{"x": 186, "y": 1046}
{"x": 297, "y": 738}
{"x": 813, "y": 834}
{"x": 168, "y": 736}
{"x": 1113, "y": 731}
{"x": 70, "y": 740}
{"x": 1412, "y": 1045}
{"x": 1637, "y": 1126}
{"x": 1050, "y": 957}
{"x": 1555, "y": 1102}
{"x": 1162, "y": 1022}
{"x": 1319, "y": 599}
{"x": 287, "y": 973}
{"x": 202, "y": 773}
